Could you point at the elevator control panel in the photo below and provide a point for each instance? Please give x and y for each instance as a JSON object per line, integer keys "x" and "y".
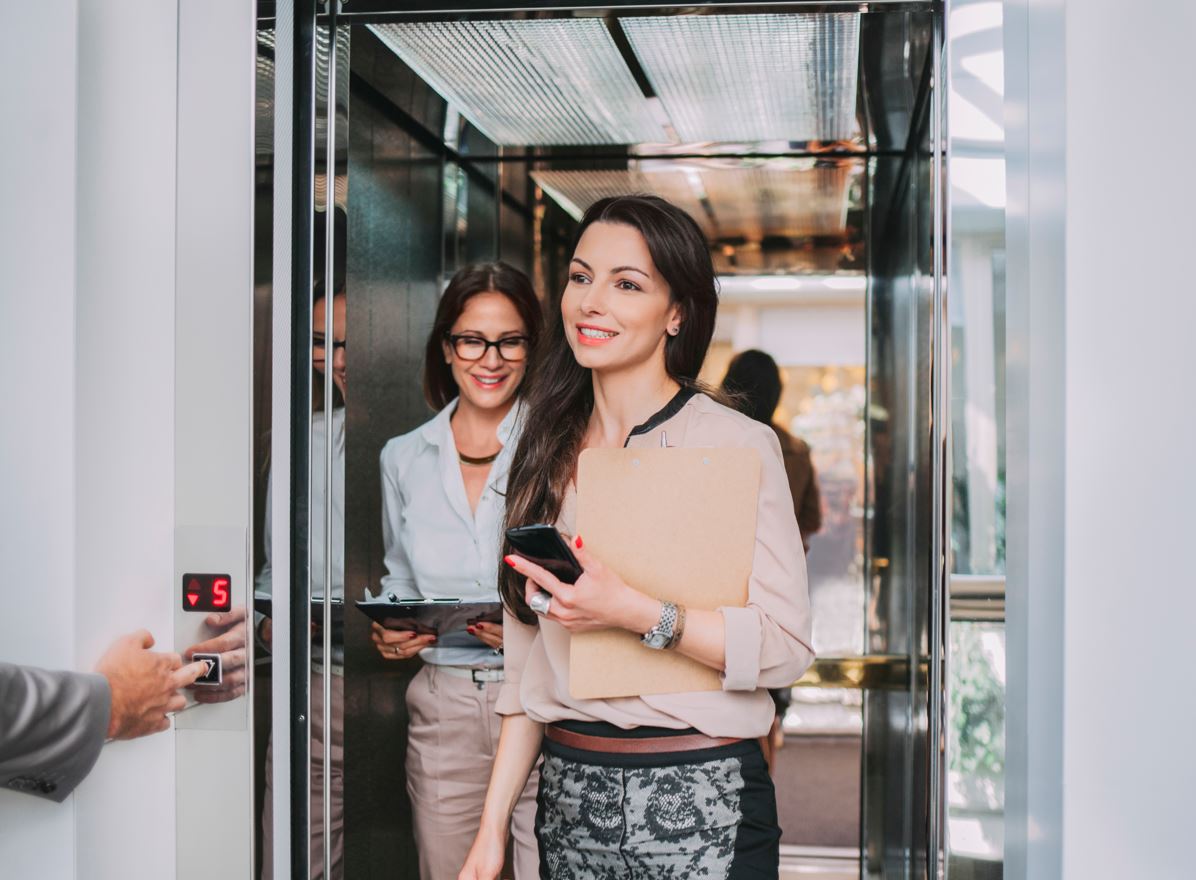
{"x": 211, "y": 575}
{"x": 207, "y": 592}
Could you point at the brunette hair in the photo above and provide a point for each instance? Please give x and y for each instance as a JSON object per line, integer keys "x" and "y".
{"x": 439, "y": 386}
{"x": 560, "y": 396}
{"x": 753, "y": 380}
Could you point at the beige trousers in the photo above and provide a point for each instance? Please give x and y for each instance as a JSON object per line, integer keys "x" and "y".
{"x": 452, "y": 738}
{"x": 337, "y": 775}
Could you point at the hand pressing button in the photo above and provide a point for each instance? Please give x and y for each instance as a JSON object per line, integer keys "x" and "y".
{"x": 213, "y": 674}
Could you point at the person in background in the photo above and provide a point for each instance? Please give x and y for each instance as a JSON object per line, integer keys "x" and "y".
{"x": 443, "y": 500}
{"x": 53, "y": 724}
{"x": 328, "y": 358}
{"x": 667, "y": 785}
{"x": 753, "y": 382}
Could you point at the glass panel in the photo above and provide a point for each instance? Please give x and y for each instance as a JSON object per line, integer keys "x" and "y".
{"x": 976, "y": 765}
{"x": 324, "y": 505}
{"x": 976, "y": 714}
{"x": 263, "y": 360}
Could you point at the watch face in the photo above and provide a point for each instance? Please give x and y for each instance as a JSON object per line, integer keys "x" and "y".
{"x": 656, "y": 640}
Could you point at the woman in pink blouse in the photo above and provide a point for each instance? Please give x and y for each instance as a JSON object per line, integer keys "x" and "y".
{"x": 670, "y": 785}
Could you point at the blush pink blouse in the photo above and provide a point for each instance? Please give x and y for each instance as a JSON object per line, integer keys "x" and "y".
{"x": 768, "y": 641}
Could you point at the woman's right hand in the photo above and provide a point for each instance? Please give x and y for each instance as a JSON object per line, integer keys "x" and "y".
{"x": 399, "y": 644}
{"x": 486, "y": 857}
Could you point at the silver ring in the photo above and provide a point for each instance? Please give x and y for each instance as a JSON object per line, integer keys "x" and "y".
{"x": 540, "y": 602}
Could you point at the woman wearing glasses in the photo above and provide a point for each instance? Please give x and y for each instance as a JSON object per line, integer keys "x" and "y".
{"x": 444, "y": 499}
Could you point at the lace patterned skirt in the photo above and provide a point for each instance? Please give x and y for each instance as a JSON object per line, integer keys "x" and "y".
{"x": 666, "y": 816}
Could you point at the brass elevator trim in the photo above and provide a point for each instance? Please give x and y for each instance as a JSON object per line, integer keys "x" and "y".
{"x": 868, "y": 672}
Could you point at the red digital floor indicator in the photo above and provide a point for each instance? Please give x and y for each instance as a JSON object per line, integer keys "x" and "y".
{"x": 207, "y": 592}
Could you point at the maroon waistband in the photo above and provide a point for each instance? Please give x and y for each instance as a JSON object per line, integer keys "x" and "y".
{"x": 643, "y": 745}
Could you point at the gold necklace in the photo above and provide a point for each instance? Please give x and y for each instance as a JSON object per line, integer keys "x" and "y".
{"x": 485, "y": 459}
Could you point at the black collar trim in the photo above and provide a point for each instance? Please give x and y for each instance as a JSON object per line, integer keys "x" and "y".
{"x": 669, "y": 410}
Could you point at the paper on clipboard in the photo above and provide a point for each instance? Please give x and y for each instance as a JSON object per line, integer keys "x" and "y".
{"x": 678, "y": 524}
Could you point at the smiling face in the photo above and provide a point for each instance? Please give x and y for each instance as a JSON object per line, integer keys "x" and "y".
{"x": 319, "y": 348}
{"x": 490, "y": 381}
{"x": 617, "y": 309}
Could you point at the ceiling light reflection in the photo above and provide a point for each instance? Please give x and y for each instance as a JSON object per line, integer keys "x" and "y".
{"x": 787, "y": 77}
{"x": 534, "y": 82}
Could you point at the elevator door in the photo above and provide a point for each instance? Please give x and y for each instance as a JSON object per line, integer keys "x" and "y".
{"x": 815, "y": 170}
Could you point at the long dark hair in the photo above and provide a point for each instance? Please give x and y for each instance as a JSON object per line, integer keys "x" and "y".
{"x": 753, "y": 380}
{"x": 439, "y": 386}
{"x": 560, "y": 395}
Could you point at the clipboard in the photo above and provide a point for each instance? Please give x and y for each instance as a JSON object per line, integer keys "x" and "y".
{"x": 447, "y": 619}
{"x": 677, "y": 524}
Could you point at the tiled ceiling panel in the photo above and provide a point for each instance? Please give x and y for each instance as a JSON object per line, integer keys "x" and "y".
{"x": 751, "y": 203}
{"x": 575, "y": 191}
{"x": 535, "y": 82}
{"x": 765, "y": 77}
{"x": 758, "y": 202}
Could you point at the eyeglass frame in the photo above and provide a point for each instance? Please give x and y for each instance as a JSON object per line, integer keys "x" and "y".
{"x": 323, "y": 343}
{"x": 452, "y": 339}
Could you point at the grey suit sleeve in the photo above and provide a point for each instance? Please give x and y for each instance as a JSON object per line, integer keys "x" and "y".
{"x": 52, "y": 727}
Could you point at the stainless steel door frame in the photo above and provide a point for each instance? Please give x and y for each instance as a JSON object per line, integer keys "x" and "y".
{"x": 924, "y": 646}
{"x": 294, "y": 195}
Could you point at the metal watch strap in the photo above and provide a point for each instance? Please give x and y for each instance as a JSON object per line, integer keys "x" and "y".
{"x": 678, "y": 629}
{"x": 664, "y": 628}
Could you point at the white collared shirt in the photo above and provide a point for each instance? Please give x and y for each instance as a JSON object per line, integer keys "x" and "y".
{"x": 435, "y": 547}
{"x": 264, "y": 582}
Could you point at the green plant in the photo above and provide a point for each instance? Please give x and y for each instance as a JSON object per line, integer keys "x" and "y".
{"x": 977, "y": 704}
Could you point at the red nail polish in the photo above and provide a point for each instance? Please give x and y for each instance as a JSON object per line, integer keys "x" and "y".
{"x": 509, "y": 560}
{"x": 471, "y": 630}
{"x": 577, "y": 541}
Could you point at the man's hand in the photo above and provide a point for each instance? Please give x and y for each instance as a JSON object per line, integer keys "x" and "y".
{"x": 230, "y": 645}
{"x": 145, "y": 685}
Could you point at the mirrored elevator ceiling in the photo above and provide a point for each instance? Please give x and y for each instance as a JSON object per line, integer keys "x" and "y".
{"x": 766, "y": 150}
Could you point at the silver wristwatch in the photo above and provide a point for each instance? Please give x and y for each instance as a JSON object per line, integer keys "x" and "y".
{"x": 660, "y": 636}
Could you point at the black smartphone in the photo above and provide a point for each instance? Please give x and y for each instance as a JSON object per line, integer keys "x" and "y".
{"x": 544, "y": 546}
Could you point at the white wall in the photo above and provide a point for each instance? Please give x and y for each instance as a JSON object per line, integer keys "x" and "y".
{"x": 1129, "y": 709}
{"x": 1102, "y": 598}
{"x": 87, "y": 453}
{"x": 815, "y": 335}
{"x": 125, "y": 405}
{"x": 37, "y": 431}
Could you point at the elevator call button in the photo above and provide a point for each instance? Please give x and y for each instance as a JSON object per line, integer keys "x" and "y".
{"x": 213, "y": 674}
{"x": 207, "y": 592}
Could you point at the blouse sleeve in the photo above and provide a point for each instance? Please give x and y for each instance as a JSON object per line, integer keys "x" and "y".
{"x": 768, "y": 641}
{"x": 517, "y": 638}
{"x": 399, "y": 578}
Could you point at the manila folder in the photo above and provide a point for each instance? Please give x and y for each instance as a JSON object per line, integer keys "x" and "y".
{"x": 677, "y": 524}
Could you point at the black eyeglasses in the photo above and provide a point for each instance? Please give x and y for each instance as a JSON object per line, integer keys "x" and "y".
{"x": 319, "y": 343}
{"x": 473, "y": 348}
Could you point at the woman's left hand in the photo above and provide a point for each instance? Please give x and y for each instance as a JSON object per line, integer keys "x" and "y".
{"x": 599, "y": 600}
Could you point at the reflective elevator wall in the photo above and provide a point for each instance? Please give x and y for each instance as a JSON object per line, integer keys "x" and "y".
{"x": 424, "y": 192}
